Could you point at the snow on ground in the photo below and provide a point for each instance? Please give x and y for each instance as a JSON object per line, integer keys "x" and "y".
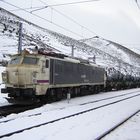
{"x": 73, "y": 102}
{"x": 129, "y": 131}
{"x": 83, "y": 127}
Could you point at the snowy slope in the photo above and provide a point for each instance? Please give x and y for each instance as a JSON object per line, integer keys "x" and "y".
{"x": 34, "y": 35}
{"x": 114, "y": 49}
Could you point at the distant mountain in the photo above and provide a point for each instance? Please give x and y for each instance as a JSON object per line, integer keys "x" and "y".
{"x": 110, "y": 55}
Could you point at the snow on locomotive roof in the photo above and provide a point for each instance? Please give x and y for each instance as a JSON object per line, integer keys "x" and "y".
{"x": 95, "y": 65}
{"x": 82, "y": 61}
{"x": 72, "y": 60}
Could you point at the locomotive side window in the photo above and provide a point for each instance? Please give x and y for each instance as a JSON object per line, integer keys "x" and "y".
{"x": 47, "y": 63}
{"x": 15, "y": 60}
{"x": 30, "y": 60}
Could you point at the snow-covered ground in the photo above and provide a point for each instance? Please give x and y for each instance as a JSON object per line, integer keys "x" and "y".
{"x": 82, "y": 127}
{"x": 129, "y": 131}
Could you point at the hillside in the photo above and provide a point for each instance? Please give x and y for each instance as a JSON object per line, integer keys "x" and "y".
{"x": 108, "y": 54}
{"x": 114, "y": 49}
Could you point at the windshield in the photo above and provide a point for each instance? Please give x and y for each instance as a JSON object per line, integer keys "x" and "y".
{"x": 15, "y": 60}
{"x": 30, "y": 60}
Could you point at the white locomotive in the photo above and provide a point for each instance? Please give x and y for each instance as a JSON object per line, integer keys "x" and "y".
{"x": 38, "y": 77}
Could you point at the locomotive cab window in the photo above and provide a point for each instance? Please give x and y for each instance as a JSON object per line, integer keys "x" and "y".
{"x": 15, "y": 60}
{"x": 30, "y": 60}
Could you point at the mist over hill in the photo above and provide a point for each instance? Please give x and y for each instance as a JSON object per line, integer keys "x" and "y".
{"x": 110, "y": 55}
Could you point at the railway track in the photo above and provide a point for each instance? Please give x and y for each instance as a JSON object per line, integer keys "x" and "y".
{"x": 112, "y": 97}
{"x": 103, "y": 135}
{"x": 95, "y": 101}
{"x": 6, "y": 110}
{"x": 68, "y": 116}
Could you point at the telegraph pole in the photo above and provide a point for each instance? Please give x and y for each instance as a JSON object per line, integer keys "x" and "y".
{"x": 72, "y": 50}
{"x": 20, "y": 38}
{"x": 93, "y": 59}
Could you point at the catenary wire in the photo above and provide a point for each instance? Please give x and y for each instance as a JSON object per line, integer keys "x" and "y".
{"x": 71, "y": 19}
{"x": 43, "y": 19}
{"x": 61, "y": 4}
{"x": 51, "y": 6}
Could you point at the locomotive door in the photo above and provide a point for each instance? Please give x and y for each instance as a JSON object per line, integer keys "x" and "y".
{"x": 43, "y": 77}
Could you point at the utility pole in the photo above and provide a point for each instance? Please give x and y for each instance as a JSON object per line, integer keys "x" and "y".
{"x": 72, "y": 50}
{"x": 119, "y": 65}
{"x": 20, "y": 38}
{"x": 93, "y": 59}
{"x": 68, "y": 97}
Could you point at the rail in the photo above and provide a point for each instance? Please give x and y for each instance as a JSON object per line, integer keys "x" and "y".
{"x": 66, "y": 117}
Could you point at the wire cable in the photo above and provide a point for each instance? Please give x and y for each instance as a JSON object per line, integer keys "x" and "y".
{"x": 43, "y": 19}
{"x": 51, "y": 6}
{"x": 61, "y": 4}
{"x": 71, "y": 19}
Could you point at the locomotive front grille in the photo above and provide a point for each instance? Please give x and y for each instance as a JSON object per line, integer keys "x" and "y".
{"x": 20, "y": 79}
{"x": 19, "y": 86}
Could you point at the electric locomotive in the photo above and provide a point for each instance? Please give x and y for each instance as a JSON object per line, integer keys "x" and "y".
{"x": 37, "y": 77}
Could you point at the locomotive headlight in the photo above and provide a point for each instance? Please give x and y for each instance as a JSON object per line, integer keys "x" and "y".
{"x": 4, "y": 77}
{"x": 34, "y": 77}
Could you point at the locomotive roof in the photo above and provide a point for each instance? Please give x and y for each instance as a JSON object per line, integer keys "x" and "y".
{"x": 59, "y": 56}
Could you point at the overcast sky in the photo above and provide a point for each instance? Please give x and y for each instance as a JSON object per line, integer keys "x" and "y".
{"x": 116, "y": 20}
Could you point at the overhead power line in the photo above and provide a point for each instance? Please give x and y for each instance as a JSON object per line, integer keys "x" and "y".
{"x": 69, "y": 18}
{"x": 64, "y": 4}
{"x": 73, "y": 3}
{"x": 43, "y": 19}
{"x": 60, "y": 4}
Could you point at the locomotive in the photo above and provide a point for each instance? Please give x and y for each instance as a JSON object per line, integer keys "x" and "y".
{"x": 41, "y": 77}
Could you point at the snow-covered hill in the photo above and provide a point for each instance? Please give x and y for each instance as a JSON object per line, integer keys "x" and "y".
{"x": 110, "y": 55}
{"x": 114, "y": 49}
